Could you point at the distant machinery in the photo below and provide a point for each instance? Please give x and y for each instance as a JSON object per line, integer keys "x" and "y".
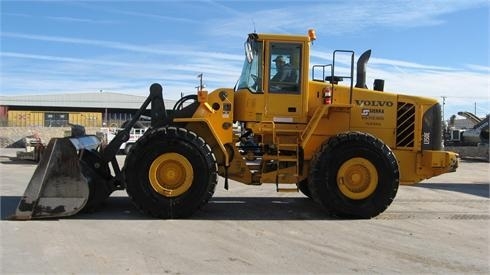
{"x": 467, "y": 137}
{"x": 470, "y": 142}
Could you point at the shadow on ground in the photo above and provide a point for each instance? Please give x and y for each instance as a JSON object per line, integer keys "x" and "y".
{"x": 476, "y": 189}
{"x": 218, "y": 208}
{"x": 13, "y": 160}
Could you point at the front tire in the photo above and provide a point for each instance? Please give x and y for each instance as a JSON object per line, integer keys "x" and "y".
{"x": 127, "y": 149}
{"x": 170, "y": 173}
{"x": 354, "y": 175}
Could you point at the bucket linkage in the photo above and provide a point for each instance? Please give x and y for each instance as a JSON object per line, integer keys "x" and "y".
{"x": 73, "y": 174}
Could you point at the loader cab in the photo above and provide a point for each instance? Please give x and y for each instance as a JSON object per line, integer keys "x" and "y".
{"x": 273, "y": 83}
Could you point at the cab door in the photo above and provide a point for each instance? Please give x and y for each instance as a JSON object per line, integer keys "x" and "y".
{"x": 283, "y": 86}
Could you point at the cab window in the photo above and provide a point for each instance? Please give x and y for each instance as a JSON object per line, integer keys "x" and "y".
{"x": 251, "y": 77}
{"x": 285, "y": 68}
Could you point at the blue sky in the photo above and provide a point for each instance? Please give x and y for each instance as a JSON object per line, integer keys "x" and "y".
{"x": 430, "y": 48}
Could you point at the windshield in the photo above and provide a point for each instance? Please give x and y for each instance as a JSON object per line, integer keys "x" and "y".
{"x": 251, "y": 77}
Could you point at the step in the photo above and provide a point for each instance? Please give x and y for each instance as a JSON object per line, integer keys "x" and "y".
{"x": 269, "y": 129}
{"x": 287, "y": 145}
{"x": 287, "y": 175}
{"x": 287, "y": 190}
{"x": 287, "y": 178}
{"x": 280, "y": 158}
{"x": 256, "y": 176}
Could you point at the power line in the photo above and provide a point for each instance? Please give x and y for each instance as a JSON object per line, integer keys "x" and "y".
{"x": 467, "y": 97}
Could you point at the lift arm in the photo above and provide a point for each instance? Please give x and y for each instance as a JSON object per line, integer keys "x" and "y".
{"x": 158, "y": 118}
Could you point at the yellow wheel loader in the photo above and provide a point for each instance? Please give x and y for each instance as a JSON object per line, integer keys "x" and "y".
{"x": 301, "y": 128}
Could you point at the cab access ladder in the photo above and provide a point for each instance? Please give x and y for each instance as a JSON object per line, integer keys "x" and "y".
{"x": 287, "y": 158}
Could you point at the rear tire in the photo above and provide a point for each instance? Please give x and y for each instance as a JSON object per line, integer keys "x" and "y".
{"x": 170, "y": 173}
{"x": 304, "y": 188}
{"x": 354, "y": 175}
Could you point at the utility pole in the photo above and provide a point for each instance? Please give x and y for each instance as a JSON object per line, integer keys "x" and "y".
{"x": 443, "y": 104}
{"x": 201, "y": 86}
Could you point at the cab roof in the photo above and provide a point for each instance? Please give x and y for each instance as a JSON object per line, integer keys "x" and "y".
{"x": 282, "y": 37}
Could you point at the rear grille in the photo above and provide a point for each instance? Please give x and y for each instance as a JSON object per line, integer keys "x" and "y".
{"x": 405, "y": 125}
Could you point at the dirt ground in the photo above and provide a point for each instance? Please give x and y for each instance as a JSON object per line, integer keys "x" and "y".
{"x": 439, "y": 226}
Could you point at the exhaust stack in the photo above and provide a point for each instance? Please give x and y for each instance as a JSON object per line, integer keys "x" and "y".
{"x": 361, "y": 69}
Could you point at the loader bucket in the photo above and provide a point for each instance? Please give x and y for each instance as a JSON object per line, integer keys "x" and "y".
{"x": 57, "y": 187}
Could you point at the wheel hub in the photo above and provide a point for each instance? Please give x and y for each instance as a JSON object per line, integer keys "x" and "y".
{"x": 357, "y": 178}
{"x": 170, "y": 174}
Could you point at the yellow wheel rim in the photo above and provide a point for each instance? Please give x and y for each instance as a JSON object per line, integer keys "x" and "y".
{"x": 171, "y": 174}
{"x": 357, "y": 178}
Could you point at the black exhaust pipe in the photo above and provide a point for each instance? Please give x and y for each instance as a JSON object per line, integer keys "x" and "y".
{"x": 361, "y": 69}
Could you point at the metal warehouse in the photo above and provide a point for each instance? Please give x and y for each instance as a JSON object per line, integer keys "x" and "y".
{"x": 59, "y": 110}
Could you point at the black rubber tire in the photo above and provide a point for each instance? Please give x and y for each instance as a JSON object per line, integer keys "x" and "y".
{"x": 163, "y": 141}
{"x": 304, "y": 188}
{"x": 329, "y": 159}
